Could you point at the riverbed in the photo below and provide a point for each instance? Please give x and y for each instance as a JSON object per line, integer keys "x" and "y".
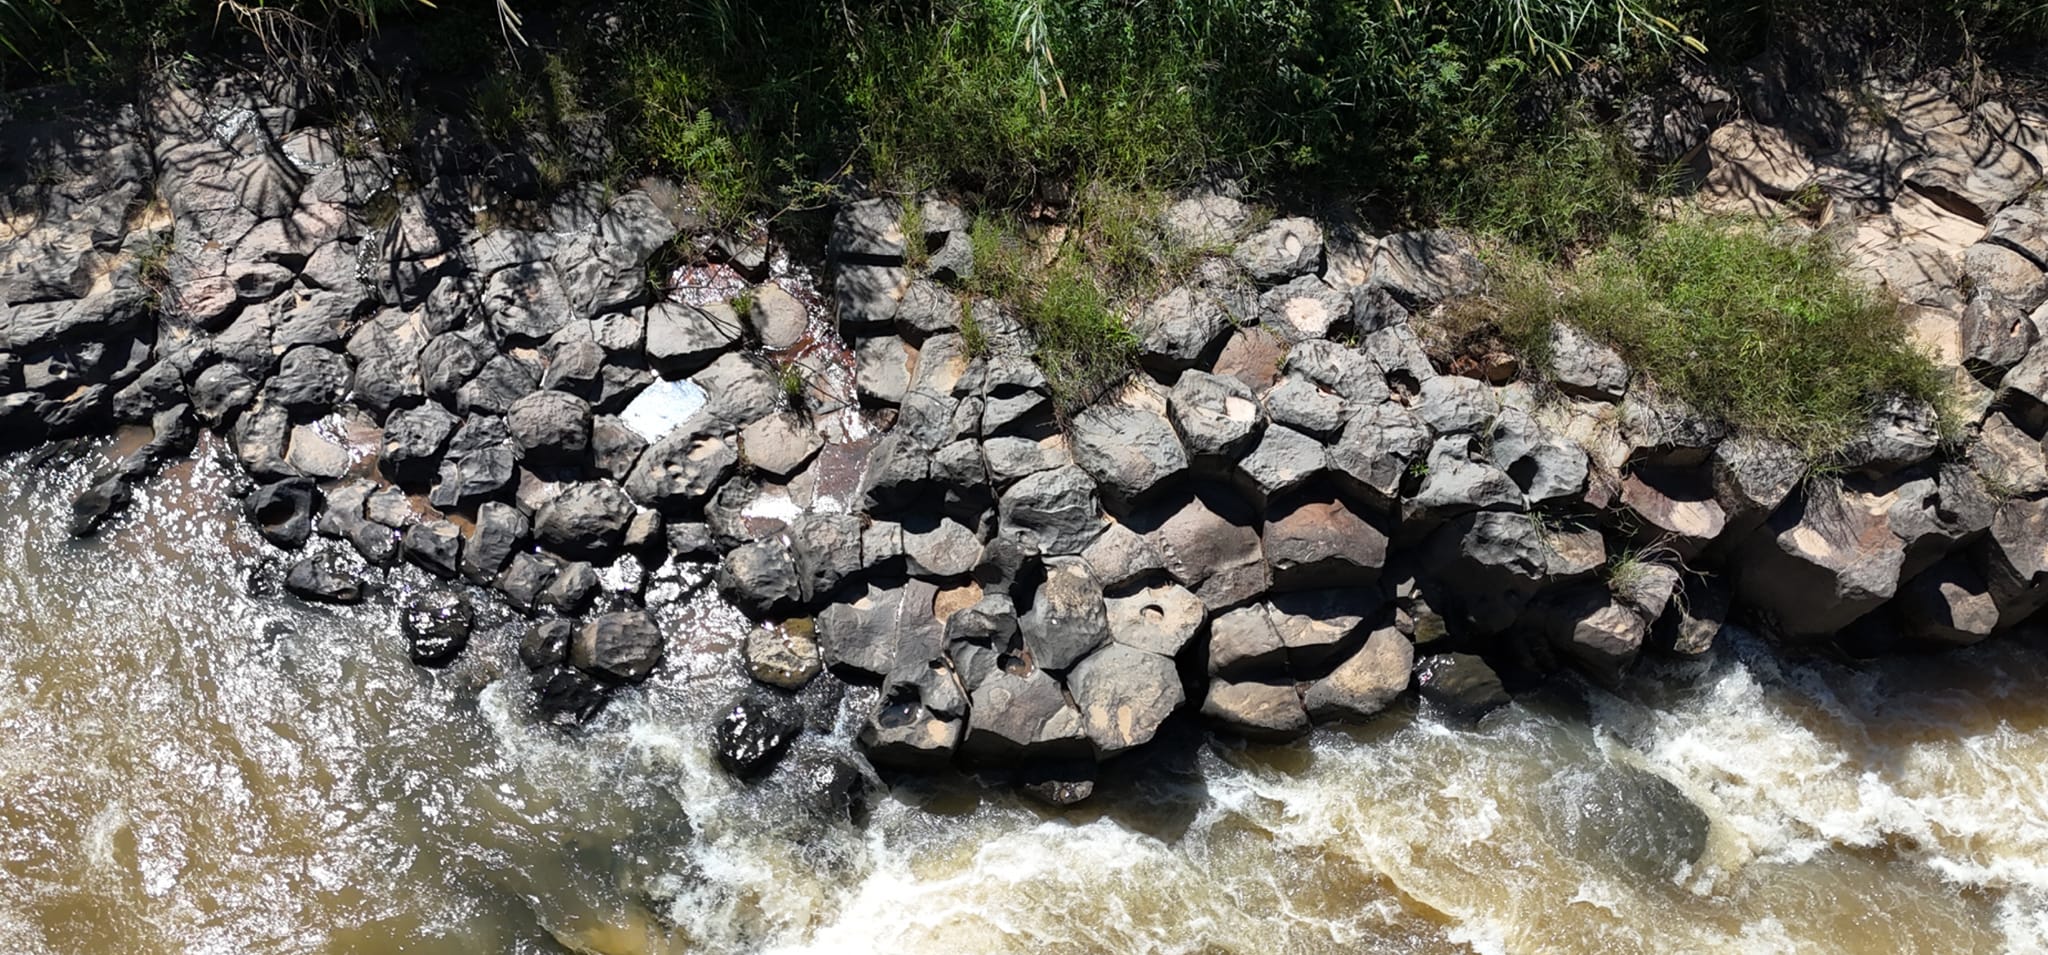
{"x": 192, "y": 762}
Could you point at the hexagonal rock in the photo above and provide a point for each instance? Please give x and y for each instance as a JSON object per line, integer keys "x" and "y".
{"x": 1304, "y": 309}
{"x": 1261, "y": 711}
{"x": 1485, "y": 565}
{"x": 1457, "y": 479}
{"x": 1282, "y": 250}
{"x": 1119, "y": 556}
{"x": 776, "y": 317}
{"x": 1127, "y": 444}
{"x": 1377, "y": 447}
{"x": 1244, "y": 644}
{"x": 1179, "y": 329}
{"x": 1252, "y": 355}
{"x": 1753, "y": 475}
{"x": 683, "y": 467}
{"x": 1214, "y": 415}
{"x": 1316, "y": 625}
{"x": 1595, "y": 630}
{"x": 683, "y": 338}
{"x": 905, "y": 734}
{"x": 1900, "y": 432}
{"x": 874, "y": 626}
{"x": 1667, "y": 432}
{"x": 881, "y": 368}
{"x": 1124, "y": 694}
{"x": 1023, "y": 714}
{"x": 550, "y": 425}
{"x": 1584, "y": 368}
{"x": 1068, "y": 618}
{"x": 1210, "y": 543}
{"x": 433, "y": 545}
{"x": 760, "y": 577}
{"x": 1313, "y": 538}
{"x": 1934, "y": 515}
{"x": 1366, "y": 683}
{"x": 940, "y": 547}
{"x": 780, "y": 444}
{"x": 1056, "y": 510}
{"x": 929, "y": 308}
{"x": 868, "y": 294}
{"x": 1826, "y": 558}
{"x": 1160, "y": 619}
{"x": 1676, "y": 507}
{"x": 1545, "y": 465}
{"x": 1304, "y": 406}
{"x": 1282, "y": 460}
{"x": 1461, "y": 684}
{"x": 870, "y": 228}
{"x": 1347, "y": 373}
{"x": 1435, "y": 265}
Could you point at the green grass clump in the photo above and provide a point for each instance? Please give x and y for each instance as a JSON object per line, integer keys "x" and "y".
{"x": 1084, "y": 347}
{"x": 1575, "y": 188}
{"x": 1767, "y": 334}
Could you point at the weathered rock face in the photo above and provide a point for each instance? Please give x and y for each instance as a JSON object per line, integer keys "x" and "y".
{"x": 1282, "y": 508}
{"x": 624, "y": 646}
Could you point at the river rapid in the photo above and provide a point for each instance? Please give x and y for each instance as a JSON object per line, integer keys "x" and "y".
{"x": 191, "y": 763}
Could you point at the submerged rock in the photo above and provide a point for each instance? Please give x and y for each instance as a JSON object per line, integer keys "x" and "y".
{"x": 1630, "y": 816}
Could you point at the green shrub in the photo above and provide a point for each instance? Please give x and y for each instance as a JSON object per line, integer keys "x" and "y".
{"x": 1768, "y": 334}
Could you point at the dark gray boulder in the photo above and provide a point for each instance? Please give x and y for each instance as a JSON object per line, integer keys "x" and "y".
{"x": 623, "y": 646}
{"x": 1214, "y": 415}
{"x": 1460, "y": 684}
{"x": 283, "y": 511}
{"x": 325, "y": 578}
{"x": 1067, "y": 619}
{"x": 437, "y": 622}
{"x": 1056, "y": 510}
{"x": 309, "y": 380}
{"x": 499, "y": 531}
{"x": 761, "y": 578}
{"x": 587, "y": 519}
{"x": 1124, "y": 695}
{"x": 413, "y": 441}
{"x": 871, "y": 627}
{"x": 435, "y": 546}
{"x": 752, "y": 736}
{"x": 546, "y": 644}
{"x": 550, "y": 426}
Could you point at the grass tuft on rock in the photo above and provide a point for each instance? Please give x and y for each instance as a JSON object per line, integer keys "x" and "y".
{"x": 1764, "y": 332}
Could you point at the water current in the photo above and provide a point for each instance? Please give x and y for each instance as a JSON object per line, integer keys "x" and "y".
{"x": 191, "y": 763}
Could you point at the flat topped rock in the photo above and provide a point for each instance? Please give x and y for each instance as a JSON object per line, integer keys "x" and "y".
{"x": 1126, "y": 443}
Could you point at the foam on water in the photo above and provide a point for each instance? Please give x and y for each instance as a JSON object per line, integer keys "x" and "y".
{"x": 187, "y": 768}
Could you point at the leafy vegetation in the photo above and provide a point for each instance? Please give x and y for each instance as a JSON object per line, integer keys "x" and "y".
{"x": 1765, "y": 332}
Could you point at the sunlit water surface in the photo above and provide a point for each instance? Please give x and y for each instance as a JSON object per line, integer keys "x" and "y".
{"x": 189, "y": 767}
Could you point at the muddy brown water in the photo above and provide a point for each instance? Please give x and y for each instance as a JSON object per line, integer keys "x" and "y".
{"x": 186, "y": 767}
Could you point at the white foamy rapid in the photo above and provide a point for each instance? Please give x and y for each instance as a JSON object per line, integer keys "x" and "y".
{"x": 186, "y": 767}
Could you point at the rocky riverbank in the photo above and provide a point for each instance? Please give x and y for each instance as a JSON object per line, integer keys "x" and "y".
{"x": 1300, "y": 509}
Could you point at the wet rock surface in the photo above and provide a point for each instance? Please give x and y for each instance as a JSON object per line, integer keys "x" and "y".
{"x": 1287, "y": 513}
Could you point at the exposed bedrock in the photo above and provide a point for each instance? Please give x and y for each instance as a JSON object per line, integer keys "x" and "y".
{"x": 1288, "y": 514}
